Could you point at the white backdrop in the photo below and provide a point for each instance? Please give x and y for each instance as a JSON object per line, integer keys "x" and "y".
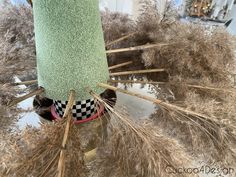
{"x": 125, "y": 6}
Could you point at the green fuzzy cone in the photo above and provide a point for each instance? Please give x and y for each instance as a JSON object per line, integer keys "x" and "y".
{"x": 70, "y": 47}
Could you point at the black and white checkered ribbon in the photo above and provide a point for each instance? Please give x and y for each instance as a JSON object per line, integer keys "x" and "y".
{"x": 81, "y": 109}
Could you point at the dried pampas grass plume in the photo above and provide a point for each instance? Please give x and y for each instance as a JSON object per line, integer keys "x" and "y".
{"x": 136, "y": 149}
{"x": 17, "y": 46}
{"x": 55, "y": 150}
{"x": 17, "y": 53}
{"x": 203, "y": 57}
{"x": 37, "y": 154}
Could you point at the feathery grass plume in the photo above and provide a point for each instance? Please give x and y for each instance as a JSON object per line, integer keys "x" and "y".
{"x": 215, "y": 137}
{"x": 223, "y": 113}
{"x": 115, "y": 25}
{"x": 180, "y": 86}
{"x": 205, "y": 58}
{"x": 7, "y": 115}
{"x": 17, "y": 50}
{"x": 6, "y": 150}
{"x": 210, "y": 140}
{"x": 163, "y": 10}
{"x": 195, "y": 56}
{"x": 126, "y": 154}
{"x": 37, "y": 153}
{"x": 137, "y": 149}
{"x": 155, "y": 21}
{"x": 7, "y": 93}
{"x": 186, "y": 57}
{"x": 204, "y": 54}
{"x": 17, "y": 47}
{"x": 218, "y": 136}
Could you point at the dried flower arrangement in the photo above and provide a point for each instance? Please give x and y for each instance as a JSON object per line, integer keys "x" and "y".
{"x": 199, "y": 120}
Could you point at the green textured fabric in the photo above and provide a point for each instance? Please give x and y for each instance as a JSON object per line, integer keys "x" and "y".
{"x": 70, "y": 47}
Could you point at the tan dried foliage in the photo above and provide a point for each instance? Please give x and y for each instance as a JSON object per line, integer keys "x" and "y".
{"x": 17, "y": 54}
{"x": 137, "y": 149}
{"x": 194, "y": 51}
{"x": 37, "y": 153}
{"x": 17, "y": 48}
{"x": 212, "y": 139}
{"x": 196, "y": 55}
{"x": 126, "y": 154}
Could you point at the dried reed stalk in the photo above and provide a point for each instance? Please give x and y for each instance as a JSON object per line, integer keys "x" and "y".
{"x": 90, "y": 155}
{"x": 120, "y": 65}
{"x": 25, "y": 83}
{"x": 68, "y": 115}
{"x": 137, "y": 72}
{"x": 141, "y": 47}
{"x": 211, "y": 88}
{"x": 135, "y": 82}
{"x": 121, "y": 39}
{"x": 20, "y": 99}
{"x": 69, "y": 106}
{"x": 153, "y": 100}
{"x": 106, "y": 86}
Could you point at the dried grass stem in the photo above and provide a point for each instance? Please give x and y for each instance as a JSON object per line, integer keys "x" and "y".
{"x": 121, "y": 39}
{"x": 20, "y": 99}
{"x": 141, "y": 47}
{"x": 137, "y": 72}
{"x": 120, "y": 65}
{"x": 68, "y": 115}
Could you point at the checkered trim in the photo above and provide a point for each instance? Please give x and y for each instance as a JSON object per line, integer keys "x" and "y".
{"x": 81, "y": 110}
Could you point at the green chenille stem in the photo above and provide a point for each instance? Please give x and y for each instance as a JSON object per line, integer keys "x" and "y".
{"x": 70, "y": 47}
